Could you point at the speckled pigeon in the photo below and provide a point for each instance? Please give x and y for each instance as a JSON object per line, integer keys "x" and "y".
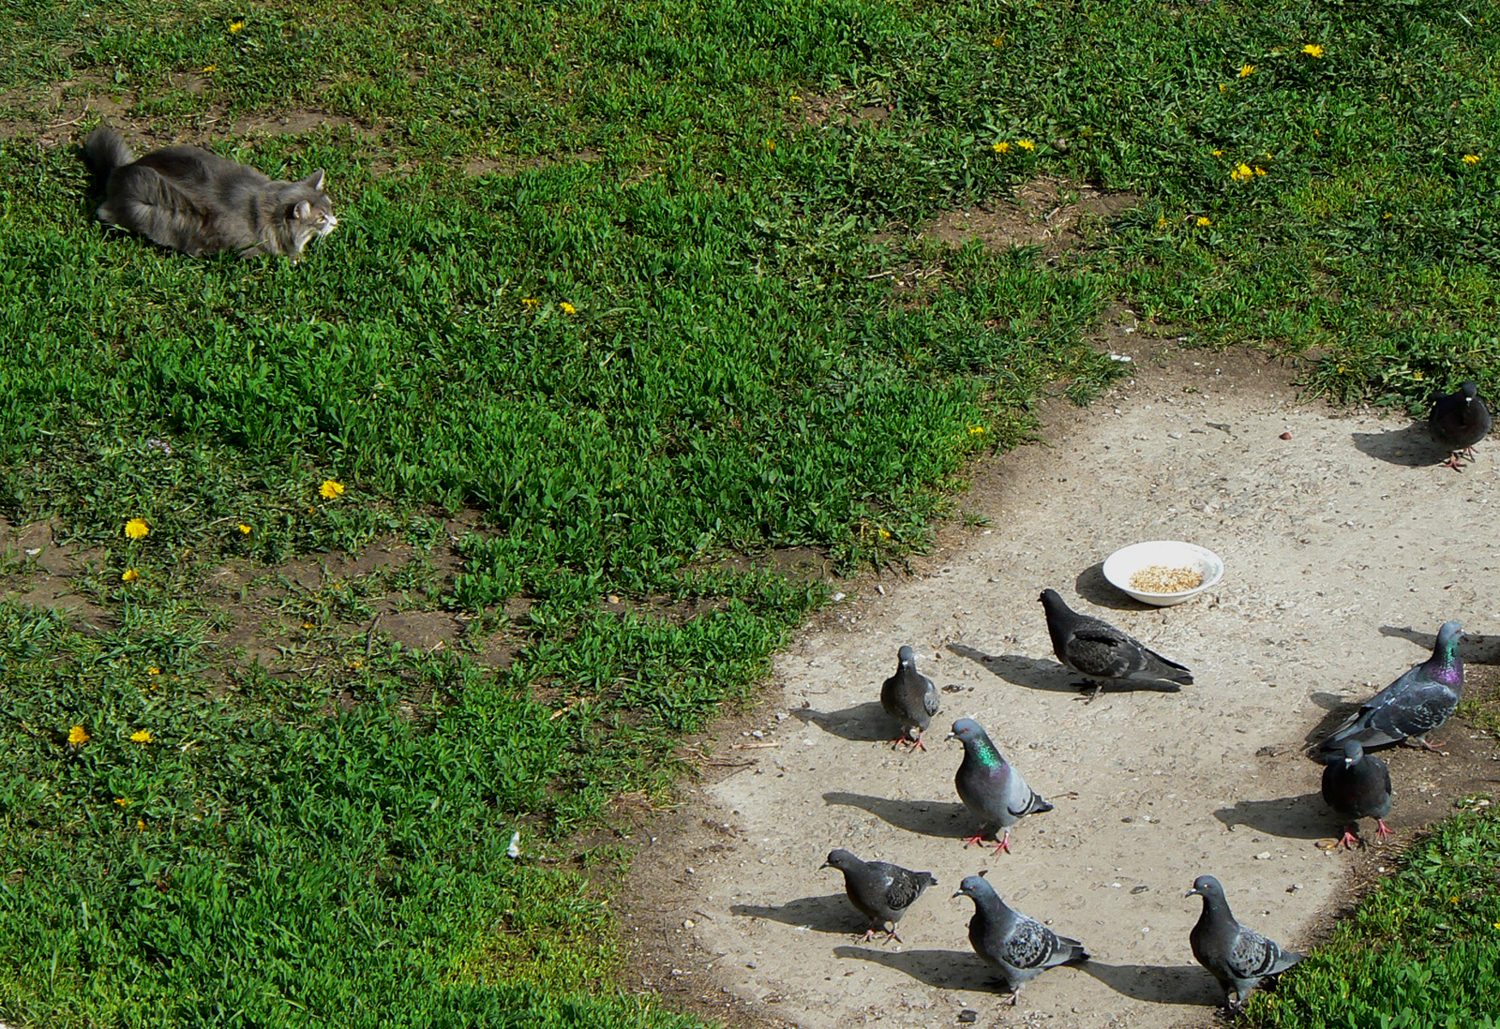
{"x": 1238, "y": 957}
{"x": 882, "y": 891}
{"x": 1412, "y": 706}
{"x": 1020, "y": 947}
{"x": 1459, "y": 420}
{"x": 910, "y": 698}
{"x": 1100, "y": 651}
{"x": 989, "y": 786}
{"x": 1358, "y": 785}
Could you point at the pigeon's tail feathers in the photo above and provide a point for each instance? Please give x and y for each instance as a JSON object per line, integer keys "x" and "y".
{"x": 1356, "y": 727}
{"x": 1166, "y": 668}
{"x": 105, "y": 150}
{"x": 1073, "y": 950}
{"x": 1287, "y": 960}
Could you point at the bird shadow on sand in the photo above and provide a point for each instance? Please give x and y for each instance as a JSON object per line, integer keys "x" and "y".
{"x": 944, "y": 969}
{"x": 830, "y": 914}
{"x": 1296, "y": 818}
{"x": 1412, "y": 447}
{"x": 1035, "y": 674}
{"x": 939, "y": 818}
{"x": 1159, "y": 984}
{"x": 1092, "y": 586}
{"x": 1473, "y": 648}
{"x": 862, "y": 723}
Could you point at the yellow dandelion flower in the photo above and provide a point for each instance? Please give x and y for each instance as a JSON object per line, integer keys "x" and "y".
{"x": 1161, "y": 222}
{"x": 129, "y": 575}
{"x": 122, "y": 802}
{"x": 794, "y": 98}
{"x": 331, "y": 489}
{"x": 531, "y": 302}
{"x": 567, "y": 308}
{"x": 141, "y": 736}
{"x": 1471, "y": 158}
{"x": 210, "y": 68}
{"x": 1386, "y": 215}
{"x": 137, "y": 528}
{"x": 885, "y": 534}
{"x": 1241, "y": 173}
{"x": 1417, "y": 376}
{"x": 140, "y": 825}
{"x": 1204, "y": 222}
{"x": 1001, "y": 148}
{"x": 997, "y": 41}
{"x": 976, "y": 430}
{"x": 1218, "y": 153}
{"x": 770, "y": 146}
{"x": 245, "y": 530}
{"x": 1313, "y": 50}
{"x": 236, "y": 26}
{"x": 307, "y": 625}
{"x": 1223, "y": 88}
{"x": 77, "y": 736}
{"x": 153, "y": 670}
{"x": 1247, "y": 70}
{"x": 1259, "y": 170}
{"x": 1026, "y": 144}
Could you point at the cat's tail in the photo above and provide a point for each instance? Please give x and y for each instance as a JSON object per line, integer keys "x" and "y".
{"x": 105, "y": 150}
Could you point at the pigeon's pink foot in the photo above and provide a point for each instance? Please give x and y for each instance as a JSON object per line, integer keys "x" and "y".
{"x": 868, "y": 936}
{"x": 1452, "y": 462}
{"x": 919, "y": 745}
{"x": 969, "y": 841}
{"x": 902, "y": 741}
{"x": 1428, "y": 746}
{"x": 1004, "y": 844}
{"x": 1349, "y": 839}
{"x": 893, "y": 935}
{"x": 1383, "y": 830}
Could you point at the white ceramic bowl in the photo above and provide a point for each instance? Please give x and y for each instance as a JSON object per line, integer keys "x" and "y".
{"x": 1122, "y": 564}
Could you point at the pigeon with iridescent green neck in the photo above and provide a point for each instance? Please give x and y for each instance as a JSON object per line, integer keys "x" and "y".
{"x": 990, "y": 787}
{"x": 1412, "y": 706}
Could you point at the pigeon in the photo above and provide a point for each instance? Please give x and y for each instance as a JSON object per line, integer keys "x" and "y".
{"x": 1459, "y": 420}
{"x": 882, "y": 891}
{"x": 910, "y": 698}
{"x": 1358, "y": 785}
{"x": 1412, "y": 706}
{"x": 989, "y": 786}
{"x": 1020, "y": 947}
{"x": 1100, "y": 651}
{"x": 1238, "y": 957}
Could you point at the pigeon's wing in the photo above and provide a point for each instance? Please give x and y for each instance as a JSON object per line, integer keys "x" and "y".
{"x": 903, "y": 887}
{"x": 1416, "y": 710}
{"x": 930, "y": 701}
{"x": 1103, "y": 651}
{"x": 1021, "y": 799}
{"x": 1254, "y": 957}
{"x": 1029, "y": 944}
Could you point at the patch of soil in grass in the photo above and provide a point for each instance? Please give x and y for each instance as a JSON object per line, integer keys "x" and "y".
{"x": 1345, "y": 549}
{"x": 1047, "y": 212}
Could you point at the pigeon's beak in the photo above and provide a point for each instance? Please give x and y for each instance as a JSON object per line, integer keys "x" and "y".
{"x": 824, "y": 865}
{"x": 1348, "y": 762}
{"x": 950, "y": 736}
{"x": 959, "y": 893}
{"x": 1191, "y": 893}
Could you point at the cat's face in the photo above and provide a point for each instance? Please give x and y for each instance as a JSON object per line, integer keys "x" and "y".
{"x": 311, "y": 211}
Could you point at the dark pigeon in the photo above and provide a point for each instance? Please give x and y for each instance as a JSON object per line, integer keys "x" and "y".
{"x": 1358, "y": 785}
{"x": 1100, "y": 651}
{"x": 989, "y": 786}
{"x": 1460, "y": 420}
{"x": 1021, "y": 948}
{"x": 882, "y": 891}
{"x": 1238, "y": 957}
{"x": 910, "y": 698}
{"x": 1412, "y": 706}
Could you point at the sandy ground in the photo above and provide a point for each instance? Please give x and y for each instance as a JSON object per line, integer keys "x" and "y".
{"x": 1345, "y": 549}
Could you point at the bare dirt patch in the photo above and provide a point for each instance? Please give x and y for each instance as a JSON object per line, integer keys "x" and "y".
{"x": 1047, "y": 212}
{"x": 1345, "y": 547}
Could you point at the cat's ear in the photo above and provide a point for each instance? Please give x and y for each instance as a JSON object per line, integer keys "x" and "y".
{"x": 302, "y": 210}
{"x": 315, "y": 180}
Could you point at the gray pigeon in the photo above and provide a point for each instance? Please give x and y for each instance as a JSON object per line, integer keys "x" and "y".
{"x": 1358, "y": 785}
{"x": 1100, "y": 651}
{"x": 910, "y": 698}
{"x": 1020, "y": 947}
{"x": 1459, "y": 420}
{"x": 1412, "y": 706}
{"x": 882, "y": 891}
{"x": 989, "y": 786}
{"x": 1238, "y": 957}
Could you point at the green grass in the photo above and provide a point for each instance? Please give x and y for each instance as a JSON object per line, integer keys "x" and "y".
{"x": 739, "y": 373}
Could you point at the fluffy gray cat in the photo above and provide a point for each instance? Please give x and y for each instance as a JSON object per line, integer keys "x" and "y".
{"x": 200, "y": 203}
